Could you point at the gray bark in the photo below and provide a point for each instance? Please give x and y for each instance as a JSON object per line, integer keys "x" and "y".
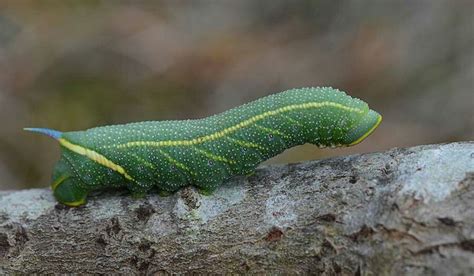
{"x": 404, "y": 211}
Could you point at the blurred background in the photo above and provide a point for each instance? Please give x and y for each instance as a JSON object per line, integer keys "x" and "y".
{"x": 72, "y": 65}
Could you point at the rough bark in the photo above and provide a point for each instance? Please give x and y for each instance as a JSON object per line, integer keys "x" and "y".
{"x": 404, "y": 211}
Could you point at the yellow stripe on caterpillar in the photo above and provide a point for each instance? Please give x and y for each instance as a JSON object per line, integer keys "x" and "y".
{"x": 94, "y": 156}
{"x": 232, "y": 129}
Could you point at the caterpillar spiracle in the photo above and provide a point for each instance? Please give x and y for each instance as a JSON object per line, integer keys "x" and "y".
{"x": 168, "y": 155}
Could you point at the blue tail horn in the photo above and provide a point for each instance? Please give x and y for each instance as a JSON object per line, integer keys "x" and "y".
{"x": 46, "y": 131}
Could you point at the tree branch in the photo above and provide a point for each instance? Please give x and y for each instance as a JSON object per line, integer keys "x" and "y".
{"x": 404, "y": 211}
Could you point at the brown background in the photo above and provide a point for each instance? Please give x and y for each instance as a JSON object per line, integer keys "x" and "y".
{"x": 72, "y": 65}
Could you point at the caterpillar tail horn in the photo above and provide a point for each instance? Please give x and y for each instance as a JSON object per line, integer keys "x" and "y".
{"x": 46, "y": 131}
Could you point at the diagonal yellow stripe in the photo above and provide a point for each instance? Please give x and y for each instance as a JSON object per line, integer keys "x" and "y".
{"x": 177, "y": 163}
{"x": 272, "y": 131}
{"x": 246, "y": 144}
{"x": 225, "y": 132}
{"x": 143, "y": 161}
{"x": 214, "y": 157}
{"x": 291, "y": 120}
{"x": 94, "y": 156}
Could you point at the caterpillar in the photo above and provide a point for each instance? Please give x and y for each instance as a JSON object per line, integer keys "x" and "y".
{"x": 168, "y": 155}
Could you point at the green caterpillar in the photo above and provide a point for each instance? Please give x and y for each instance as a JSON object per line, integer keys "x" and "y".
{"x": 169, "y": 155}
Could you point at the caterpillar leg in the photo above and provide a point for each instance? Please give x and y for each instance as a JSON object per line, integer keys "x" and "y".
{"x": 250, "y": 174}
{"x": 139, "y": 191}
{"x": 209, "y": 187}
{"x": 69, "y": 191}
{"x": 138, "y": 194}
{"x": 206, "y": 191}
{"x": 164, "y": 193}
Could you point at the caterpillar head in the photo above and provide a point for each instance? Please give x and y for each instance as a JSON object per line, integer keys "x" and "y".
{"x": 365, "y": 126}
{"x": 67, "y": 187}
